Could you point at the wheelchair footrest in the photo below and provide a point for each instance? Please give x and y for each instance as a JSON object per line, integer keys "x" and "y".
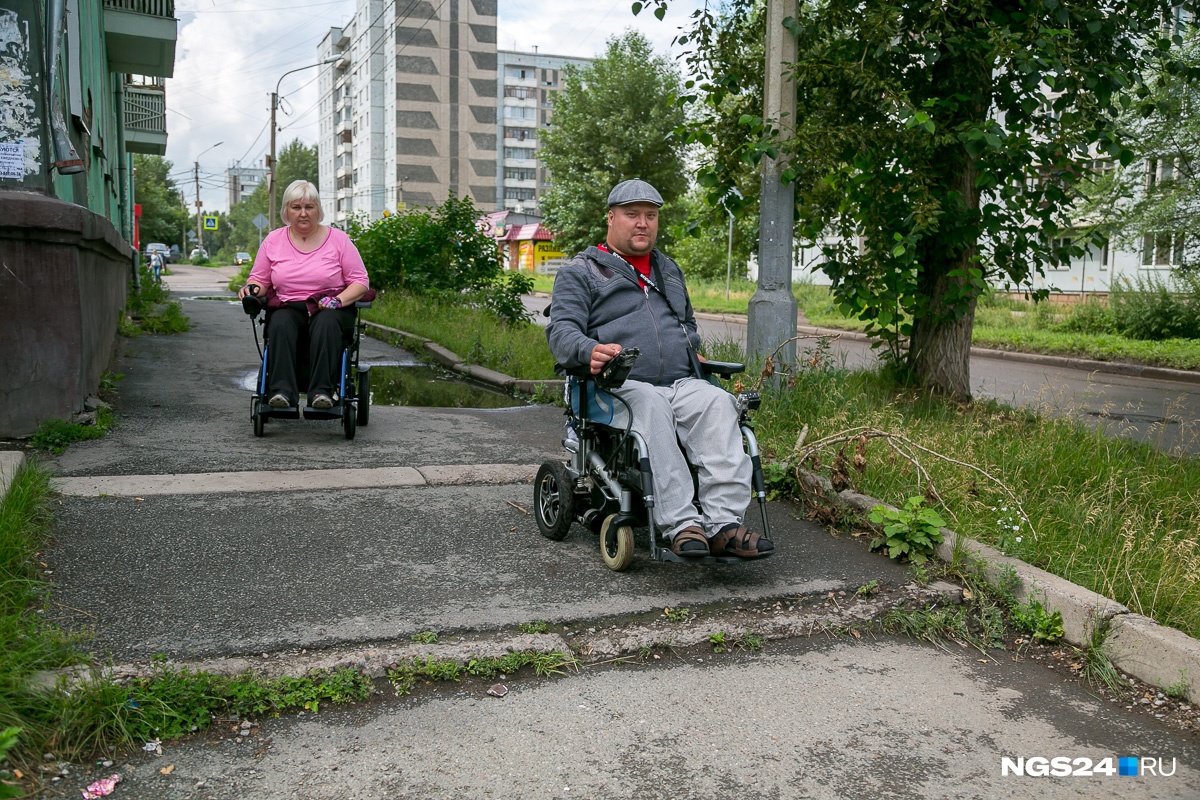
{"x": 323, "y": 413}
{"x": 665, "y": 554}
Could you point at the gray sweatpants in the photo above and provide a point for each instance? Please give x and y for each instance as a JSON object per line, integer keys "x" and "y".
{"x": 704, "y": 419}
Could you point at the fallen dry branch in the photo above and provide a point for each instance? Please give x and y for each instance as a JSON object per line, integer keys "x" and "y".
{"x": 898, "y": 442}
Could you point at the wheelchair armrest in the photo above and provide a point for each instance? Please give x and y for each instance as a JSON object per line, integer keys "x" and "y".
{"x": 362, "y": 304}
{"x": 722, "y": 368}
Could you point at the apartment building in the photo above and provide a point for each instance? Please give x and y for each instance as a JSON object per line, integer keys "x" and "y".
{"x": 528, "y": 83}
{"x": 242, "y": 181}
{"x": 408, "y": 115}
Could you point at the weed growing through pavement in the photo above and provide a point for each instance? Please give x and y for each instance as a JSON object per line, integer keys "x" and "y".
{"x": 867, "y": 589}
{"x": 717, "y": 640}
{"x": 677, "y": 614}
{"x": 912, "y": 532}
{"x": 537, "y": 626}
{"x": 424, "y": 637}
{"x": 405, "y": 676}
{"x": 55, "y": 435}
{"x": 1032, "y": 618}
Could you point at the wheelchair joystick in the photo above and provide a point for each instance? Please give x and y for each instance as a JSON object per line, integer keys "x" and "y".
{"x": 252, "y": 303}
{"x": 617, "y": 370}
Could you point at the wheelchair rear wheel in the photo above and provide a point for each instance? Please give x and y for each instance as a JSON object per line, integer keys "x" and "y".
{"x": 616, "y": 544}
{"x": 553, "y": 500}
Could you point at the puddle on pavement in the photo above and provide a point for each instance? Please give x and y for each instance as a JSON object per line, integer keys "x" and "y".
{"x": 429, "y": 386}
{"x": 414, "y": 384}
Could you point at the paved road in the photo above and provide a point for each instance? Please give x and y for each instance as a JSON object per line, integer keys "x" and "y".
{"x": 182, "y": 553}
{"x": 1165, "y": 413}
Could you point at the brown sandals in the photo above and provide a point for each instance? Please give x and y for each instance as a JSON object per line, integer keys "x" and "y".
{"x": 690, "y": 543}
{"x": 738, "y": 540}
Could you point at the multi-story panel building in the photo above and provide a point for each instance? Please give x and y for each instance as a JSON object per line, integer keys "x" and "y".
{"x": 528, "y": 83}
{"x": 409, "y": 114}
{"x": 242, "y": 181}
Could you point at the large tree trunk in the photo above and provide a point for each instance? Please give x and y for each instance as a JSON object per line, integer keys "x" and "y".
{"x": 939, "y": 350}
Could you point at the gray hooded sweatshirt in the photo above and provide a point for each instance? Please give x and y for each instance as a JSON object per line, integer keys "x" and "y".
{"x": 597, "y": 300}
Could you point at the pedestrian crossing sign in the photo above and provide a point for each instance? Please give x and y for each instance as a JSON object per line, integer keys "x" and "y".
{"x": 210, "y": 223}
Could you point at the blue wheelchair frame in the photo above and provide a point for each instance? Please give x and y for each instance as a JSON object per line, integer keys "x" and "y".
{"x": 353, "y": 406}
{"x": 607, "y": 485}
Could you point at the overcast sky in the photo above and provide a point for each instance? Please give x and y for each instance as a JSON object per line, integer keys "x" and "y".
{"x": 231, "y": 53}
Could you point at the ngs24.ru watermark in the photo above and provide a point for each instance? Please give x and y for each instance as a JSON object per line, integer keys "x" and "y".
{"x": 1083, "y": 767}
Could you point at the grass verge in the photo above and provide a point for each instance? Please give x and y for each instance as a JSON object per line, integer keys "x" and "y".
{"x": 475, "y": 335}
{"x": 1110, "y": 514}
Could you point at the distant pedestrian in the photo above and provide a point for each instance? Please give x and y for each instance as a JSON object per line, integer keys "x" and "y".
{"x": 156, "y": 265}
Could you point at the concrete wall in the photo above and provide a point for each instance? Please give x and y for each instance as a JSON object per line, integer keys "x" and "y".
{"x": 64, "y": 273}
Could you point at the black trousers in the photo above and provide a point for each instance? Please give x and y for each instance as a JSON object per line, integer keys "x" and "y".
{"x": 291, "y": 335}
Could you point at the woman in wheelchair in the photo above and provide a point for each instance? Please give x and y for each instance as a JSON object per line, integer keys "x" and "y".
{"x": 626, "y": 294}
{"x": 311, "y": 275}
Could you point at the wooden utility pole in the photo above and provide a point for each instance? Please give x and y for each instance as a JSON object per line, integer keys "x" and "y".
{"x": 772, "y": 310}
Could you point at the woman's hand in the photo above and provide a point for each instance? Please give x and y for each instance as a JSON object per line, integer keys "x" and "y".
{"x": 252, "y": 288}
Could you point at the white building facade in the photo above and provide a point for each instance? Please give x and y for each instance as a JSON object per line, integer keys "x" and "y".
{"x": 528, "y": 83}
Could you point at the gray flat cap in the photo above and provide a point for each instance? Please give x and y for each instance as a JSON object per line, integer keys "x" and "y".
{"x": 633, "y": 191}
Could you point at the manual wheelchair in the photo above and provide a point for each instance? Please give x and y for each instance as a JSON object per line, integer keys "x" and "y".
{"x": 353, "y": 394}
{"x": 606, "y": 483}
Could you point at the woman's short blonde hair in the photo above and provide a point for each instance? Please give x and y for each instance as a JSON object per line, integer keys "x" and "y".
{"x": 300, "y": 190}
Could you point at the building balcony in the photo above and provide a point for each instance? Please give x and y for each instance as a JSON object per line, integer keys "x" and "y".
{"x": 140, "y": 36}
{"x": 145, "y": 120}
{"x": 512, "y": 183}
{"x": 520, "y": 162}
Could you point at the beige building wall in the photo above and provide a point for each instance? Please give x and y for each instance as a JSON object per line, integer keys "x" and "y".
{"x": 444, "y": 92}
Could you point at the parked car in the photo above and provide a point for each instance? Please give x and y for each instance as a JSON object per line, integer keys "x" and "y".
{"x": 158, "y": 247}
{"x": 198, "y": 252}
{"x": 241, "y": 258}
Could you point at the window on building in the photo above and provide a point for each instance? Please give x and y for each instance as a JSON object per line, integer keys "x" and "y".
{"x": 520, "y": 174}
{"x": 519, "y": 112}
{"x": 1162, "y": 249}
{"x": 519, "y": 194}
{"x": 521, "y": 134}
{"x": 519, "y": 153}
{"x": 520, "y": 92}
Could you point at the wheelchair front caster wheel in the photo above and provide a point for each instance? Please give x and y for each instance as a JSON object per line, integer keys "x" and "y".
{"x": 259, "y": 419}
{"x": 616, "y": 544}
{"x": 553, "y": 501}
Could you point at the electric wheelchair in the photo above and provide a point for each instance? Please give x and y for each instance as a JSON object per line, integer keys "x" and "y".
{"x": 353, "y": 393}
{"x": 606, "y": 483}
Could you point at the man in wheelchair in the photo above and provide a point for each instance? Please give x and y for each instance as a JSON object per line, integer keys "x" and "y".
{"x": 626, "y": 294}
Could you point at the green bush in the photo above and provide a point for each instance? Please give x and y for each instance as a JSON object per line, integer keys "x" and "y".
{"x": 1090, "y": 316}
{"x": 440, "y": 252}
{"x": 1154, "y": 308}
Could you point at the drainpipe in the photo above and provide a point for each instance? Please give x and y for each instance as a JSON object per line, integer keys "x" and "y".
{"x": 124, "y": 201}
{"x": 66, "y": 160}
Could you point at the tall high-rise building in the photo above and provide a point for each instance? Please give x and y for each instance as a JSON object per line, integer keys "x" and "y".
{"x": 528, "y": 83}
{"x": 409, "y": 113}
{"x": 242, "y": 182}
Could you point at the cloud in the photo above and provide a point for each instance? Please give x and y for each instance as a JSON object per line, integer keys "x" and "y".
{"x": 231, "y": 53}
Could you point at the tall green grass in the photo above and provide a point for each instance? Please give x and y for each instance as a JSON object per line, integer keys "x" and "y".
{"x": 1113, "y": 515}
{"x": 475, "y": 335}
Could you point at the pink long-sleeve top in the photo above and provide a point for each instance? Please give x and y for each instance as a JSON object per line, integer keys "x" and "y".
{"x": 297, "y": 276}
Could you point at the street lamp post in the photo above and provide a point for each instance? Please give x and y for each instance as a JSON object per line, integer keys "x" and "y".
{"x": 196, "y": 176}
{"x": 729, "y": 252}
{"x": 271, "y": 158}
